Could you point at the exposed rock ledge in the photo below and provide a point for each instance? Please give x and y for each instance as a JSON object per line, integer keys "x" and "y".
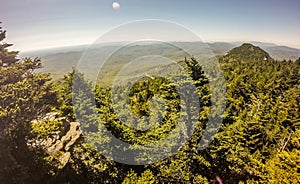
{"x": 59, "y": 144}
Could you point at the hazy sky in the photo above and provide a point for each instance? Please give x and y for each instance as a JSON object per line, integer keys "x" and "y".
{"x": 37, "y": 24}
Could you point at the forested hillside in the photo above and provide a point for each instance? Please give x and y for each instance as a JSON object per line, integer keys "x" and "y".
{"x": 258, "y": 141}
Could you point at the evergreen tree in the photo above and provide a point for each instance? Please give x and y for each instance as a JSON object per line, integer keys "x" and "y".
{"x": 25, "y": 96}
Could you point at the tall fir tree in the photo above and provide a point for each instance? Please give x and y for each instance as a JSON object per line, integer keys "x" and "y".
{"x": 25, "y": 96}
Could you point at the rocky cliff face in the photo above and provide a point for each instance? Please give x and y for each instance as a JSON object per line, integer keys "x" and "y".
{"x": 59, "y": 144}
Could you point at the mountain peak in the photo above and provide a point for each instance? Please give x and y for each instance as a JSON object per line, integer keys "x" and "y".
{"x": 246, "y": 52}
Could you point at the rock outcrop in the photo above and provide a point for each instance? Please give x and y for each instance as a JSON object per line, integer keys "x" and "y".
{"x": 59, "y": 144}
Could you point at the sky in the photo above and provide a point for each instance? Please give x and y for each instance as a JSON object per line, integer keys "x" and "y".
{"x": 40, "y": 24}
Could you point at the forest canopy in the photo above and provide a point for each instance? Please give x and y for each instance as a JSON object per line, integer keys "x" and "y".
{"x": 257, "y": 142}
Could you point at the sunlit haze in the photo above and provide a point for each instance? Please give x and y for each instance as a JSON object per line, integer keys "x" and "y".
{"x": 38, "y": 24}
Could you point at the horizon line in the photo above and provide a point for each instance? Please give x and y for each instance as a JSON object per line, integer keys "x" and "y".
{"x": 180, "y": 41}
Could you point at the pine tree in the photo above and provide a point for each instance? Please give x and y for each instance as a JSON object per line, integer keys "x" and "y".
{"x": 25, "y": 96}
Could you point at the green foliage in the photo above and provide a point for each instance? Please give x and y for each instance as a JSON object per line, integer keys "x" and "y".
{"x": 261, "y": 126}
{"x": 146, "y": 177}
{"x": 260, "y": 121}
{"x": 66, "y": 95}
{"x": 46, "y": 128}
{"x": 283, "y": 167}
{"x": 245, "y": 53}
{"x": 25, "y": 96}
{"x": 258, "y": 141}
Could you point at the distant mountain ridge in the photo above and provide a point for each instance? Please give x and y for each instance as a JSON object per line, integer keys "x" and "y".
{"x": 278, "y": 52}
{"x": 59, "y": 61}
{"x": 283, "y": 52}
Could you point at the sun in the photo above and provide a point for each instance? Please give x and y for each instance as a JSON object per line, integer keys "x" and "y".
{"x": 116, "y": 5}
